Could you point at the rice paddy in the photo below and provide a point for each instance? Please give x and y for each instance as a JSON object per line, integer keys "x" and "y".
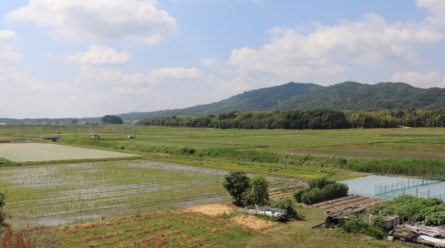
{"x": 54, "y": 193}
{"x": 25, "y": 152}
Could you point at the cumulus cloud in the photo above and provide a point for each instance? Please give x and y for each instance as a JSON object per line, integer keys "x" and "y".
{"x": 177, "y": 73}
{"x": 114, "y": 77}
{"x": 209, "y": 62}
{"x": 427, "y": 80}
{"x": 372, "y": 41}
{"x": 98, "y": 20}
{"x": 97, "y": 55}
{"x": 437, "y": 8}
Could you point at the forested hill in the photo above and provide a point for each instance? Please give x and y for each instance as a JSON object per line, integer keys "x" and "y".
{"x": 365, "y": 97}
{"x": 254, "y": 100}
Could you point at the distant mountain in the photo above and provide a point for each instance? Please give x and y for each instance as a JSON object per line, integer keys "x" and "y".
{"x": 343, "y": 96}
{"x": 365, "y": 97}
{"x": 4, "y": 120}
{"x": 261, "y": 99}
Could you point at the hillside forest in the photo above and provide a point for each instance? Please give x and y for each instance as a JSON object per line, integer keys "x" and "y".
{"x": 323, "y": 118}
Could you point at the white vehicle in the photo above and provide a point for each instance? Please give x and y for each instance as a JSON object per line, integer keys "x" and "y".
{"x": 131, "y": 137}
{"x": 58, "y": 131}
{"x": 95, "y": 136}
{"x": 88, "y": 131}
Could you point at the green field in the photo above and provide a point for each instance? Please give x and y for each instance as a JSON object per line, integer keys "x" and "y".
{"x": 277, "y": 139}
{"x": 167, "y": 175}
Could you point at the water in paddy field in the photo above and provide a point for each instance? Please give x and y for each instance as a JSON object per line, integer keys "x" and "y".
{"x": 366, "y": 151}
{"x": 57, "y": 194}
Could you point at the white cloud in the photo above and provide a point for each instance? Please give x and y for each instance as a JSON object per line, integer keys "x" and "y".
{"x": 114, "y": 77}
{"x": 209, "y": 62}
{"x": 98, "y": 20}
{"x": 177, "y": 73}
{"x": 97, "y": 55}
{"x": 372, "y": 41}
{"x": 427, "y": 80}
{"x": 7, "y": 38}
{"x": 437, "y": 8}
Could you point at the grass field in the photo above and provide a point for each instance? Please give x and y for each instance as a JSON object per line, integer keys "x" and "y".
{"x": 46, "y": 152}
{"x": 168, "y": 176}
{"x": 391, "y": 142}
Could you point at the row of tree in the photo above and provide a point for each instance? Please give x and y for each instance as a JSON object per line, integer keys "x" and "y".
{"x": 290, "y": 119}
{"x": 312, "y": 119}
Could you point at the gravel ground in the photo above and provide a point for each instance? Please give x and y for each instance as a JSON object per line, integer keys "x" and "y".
{"x": 47, "y": 152}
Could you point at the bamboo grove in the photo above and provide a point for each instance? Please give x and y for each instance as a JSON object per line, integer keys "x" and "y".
{"x": 311, "y": 119}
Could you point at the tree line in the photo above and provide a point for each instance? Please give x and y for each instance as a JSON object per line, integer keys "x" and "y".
{"x": 323, "y": 118}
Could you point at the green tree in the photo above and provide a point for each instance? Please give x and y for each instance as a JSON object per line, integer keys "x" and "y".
{"x": 237, "y": 184}
{"x": 112, "y": 119}
{"x": 258, "y": 193}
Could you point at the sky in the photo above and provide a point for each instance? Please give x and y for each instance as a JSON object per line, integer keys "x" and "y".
{"x": 88, "y": 58}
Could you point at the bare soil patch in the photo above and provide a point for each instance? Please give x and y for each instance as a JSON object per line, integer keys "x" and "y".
{"x": 212, "y": 209}
{"x": 350, "y": 200}
{"x": 218, "y": 208}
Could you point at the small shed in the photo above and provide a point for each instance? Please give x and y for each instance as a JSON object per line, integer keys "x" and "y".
{"x": 391, "y": 221}
{"x": 333, "y": 217}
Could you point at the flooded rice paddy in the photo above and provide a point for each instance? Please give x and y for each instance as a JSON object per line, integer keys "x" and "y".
{"x": 24, "y": 152}
{"x": 375, "y": 151}
{"x": 56, "y": 194}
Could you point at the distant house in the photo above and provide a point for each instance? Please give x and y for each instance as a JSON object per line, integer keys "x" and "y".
{"x": 82, "y": 123}
{"x": 53, "y": 123}
{"x": 2, "y": 123}
{"x": 135, "y": 121}
{"x": 128, "y": 122}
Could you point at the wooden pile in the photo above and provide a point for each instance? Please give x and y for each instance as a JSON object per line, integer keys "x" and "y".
{"x": 420, "y": 233}
{"x": 416, "y": 230}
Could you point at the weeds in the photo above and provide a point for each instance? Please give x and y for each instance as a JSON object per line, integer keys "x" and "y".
{"x": 226, "y": 216}
{"x": 24, "y": 239}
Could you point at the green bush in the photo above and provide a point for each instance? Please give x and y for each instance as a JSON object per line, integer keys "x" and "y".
{"x": 420, "y": 209}
{"x": 334, "y": 191}
{"x": 2, "y": 204}
{"x": 258, "y": 193}
{"x": 286, "y": 204}
{"x": 5, "y": 161}
{"x": 299, "y": 193}
{"x": 374, "y": 228}
{"x": 313, "y": 196}
{"x": 319, "y": 182}
{"x": 237, "y": 183}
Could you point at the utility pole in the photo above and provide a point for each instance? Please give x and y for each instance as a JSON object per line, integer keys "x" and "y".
{"x": 190, "y": 131}
{"x": 75, "y": 132}
{"x": 135, "y": 131}
{"x": 20, "y": 131}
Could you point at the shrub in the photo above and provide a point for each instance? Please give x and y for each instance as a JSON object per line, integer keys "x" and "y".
{"x": 286, "y": 204}
{"x": 2, "y": 203}
{"x": 258, "y": 192}
{"x": 237, "y": 183}
{"x": 319, "y": 182}
{"x": 313, "y": 196}
{"x": 300, "y": 193}
{"x": 374, "y": 228}
{"x": 420, "y": 209}
{"x": 334, "y": 191}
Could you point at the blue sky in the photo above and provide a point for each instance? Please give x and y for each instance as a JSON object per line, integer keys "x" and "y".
{"x": 64, "y": 58}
